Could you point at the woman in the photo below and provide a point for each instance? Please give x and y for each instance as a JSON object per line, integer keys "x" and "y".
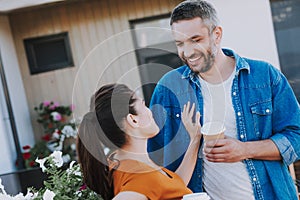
{"x": 120, "y": 121}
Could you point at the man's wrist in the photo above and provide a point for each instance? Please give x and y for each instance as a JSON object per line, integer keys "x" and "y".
{"x": 248, "y": 150}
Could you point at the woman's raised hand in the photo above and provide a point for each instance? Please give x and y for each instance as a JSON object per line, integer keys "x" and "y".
{"x": 186, "y": 117}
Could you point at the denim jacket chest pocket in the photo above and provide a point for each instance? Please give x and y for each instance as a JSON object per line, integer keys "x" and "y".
{"x": 262, "y": 118}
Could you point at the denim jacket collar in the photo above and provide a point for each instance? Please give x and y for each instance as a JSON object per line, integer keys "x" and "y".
{"x": 241, "y": 64}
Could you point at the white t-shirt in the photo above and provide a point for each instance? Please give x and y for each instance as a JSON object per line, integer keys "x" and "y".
{"x": 223, "y": 180}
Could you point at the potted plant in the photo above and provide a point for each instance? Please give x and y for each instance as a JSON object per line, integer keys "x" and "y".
{"x": 59, "y": 135}
{"x": 61, "y": 183}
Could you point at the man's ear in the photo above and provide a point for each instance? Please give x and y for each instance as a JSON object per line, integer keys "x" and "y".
{"x": 131, "y": 120}
{"x": 218, "y": 33}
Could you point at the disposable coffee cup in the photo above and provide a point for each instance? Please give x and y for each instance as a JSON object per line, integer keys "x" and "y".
{"x": 196, "y": 196}
{"x": 213, "y": 131}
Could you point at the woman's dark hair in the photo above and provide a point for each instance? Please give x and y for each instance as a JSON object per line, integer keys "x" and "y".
{"x": 103, "y": 128}
{"x": 195, "y": 8}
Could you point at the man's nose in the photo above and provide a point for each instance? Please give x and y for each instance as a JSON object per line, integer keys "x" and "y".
{"x": 188, "y": 50}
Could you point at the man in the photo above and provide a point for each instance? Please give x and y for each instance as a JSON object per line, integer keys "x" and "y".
{"x": 253, "y": 100}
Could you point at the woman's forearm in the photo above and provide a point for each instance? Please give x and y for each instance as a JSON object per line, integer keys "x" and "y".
{"x": 186, "y": 168}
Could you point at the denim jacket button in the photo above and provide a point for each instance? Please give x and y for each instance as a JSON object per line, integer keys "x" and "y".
{"x": 239, "y": 113}
{"x": 267, "y": 110}
{"x": 254, "y": 179}
{"x": 177, "y": 115}
{"x": 234, "y": 93}
{"x": 242, "y": 136}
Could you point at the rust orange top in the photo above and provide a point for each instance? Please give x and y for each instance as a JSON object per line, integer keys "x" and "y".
{"x": 135, "y": 176}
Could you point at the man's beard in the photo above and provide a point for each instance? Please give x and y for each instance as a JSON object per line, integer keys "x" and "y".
{"x": 208, "y": 60}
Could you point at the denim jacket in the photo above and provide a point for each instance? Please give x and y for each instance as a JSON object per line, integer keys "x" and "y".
{"x": 265, "y": 108}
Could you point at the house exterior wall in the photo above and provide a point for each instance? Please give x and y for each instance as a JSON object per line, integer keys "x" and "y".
{"x": 18, "y": 101}
{"x": 248, "y": 28}
{"x": 102, "y": 45}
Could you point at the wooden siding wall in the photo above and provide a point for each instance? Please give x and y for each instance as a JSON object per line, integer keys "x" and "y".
{"x": 101, "y": 45}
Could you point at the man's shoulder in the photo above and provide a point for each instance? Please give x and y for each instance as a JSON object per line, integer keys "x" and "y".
{"x": 263, "y": 72}
{"x": 260, "y": 66}
{"x": 256, "y": 62}
{"x": 254, "y": 66}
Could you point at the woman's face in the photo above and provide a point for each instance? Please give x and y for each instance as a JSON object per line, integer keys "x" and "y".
{"x": 145, "y": 119}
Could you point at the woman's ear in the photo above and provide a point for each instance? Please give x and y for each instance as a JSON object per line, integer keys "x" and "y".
{"x": 131, "y": 120}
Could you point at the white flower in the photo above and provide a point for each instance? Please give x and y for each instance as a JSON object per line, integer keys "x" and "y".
{"x": 77, "y": 173}
{"x": 55, "y": 134}
{"x": 74, "y": 169}
{"x": 41, "y": 162}
{"x": 71, "y": 164}
{"x": 68, "y": 131}
{"x": 70, "y": 169}
{"x": 5, "y": 197}
{"x": 56, "y": 116}
{"x": 57, "y": 146}
{"x": 57, "y": 158}
{"x": 78, "y": 193}
{"x": 19, "y": 196}
{"x": 48, "y": 195}
{"x": 54, "y": 146}
{"x": 30, "y": 195}
{"x": 62, "y": 138}
{"x": 66, "y": 158}
{"x": 2, "y": 187}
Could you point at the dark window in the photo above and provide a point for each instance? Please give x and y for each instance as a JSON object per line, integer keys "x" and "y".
{"x": 48, "y": 53}
{"x": 155, "y": 50}
{"x": 286, "y": 15}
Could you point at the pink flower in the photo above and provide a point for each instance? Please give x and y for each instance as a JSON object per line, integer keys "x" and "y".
{"x": 72, "y": 107}
{"x": 46, "y": 103}
{"x": 56, "y": 116}
{"x": 55, "y": 104}
{"x": 83, "y": 187}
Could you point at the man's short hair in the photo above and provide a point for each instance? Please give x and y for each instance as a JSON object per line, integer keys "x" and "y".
{"x": 195, "y": 8}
